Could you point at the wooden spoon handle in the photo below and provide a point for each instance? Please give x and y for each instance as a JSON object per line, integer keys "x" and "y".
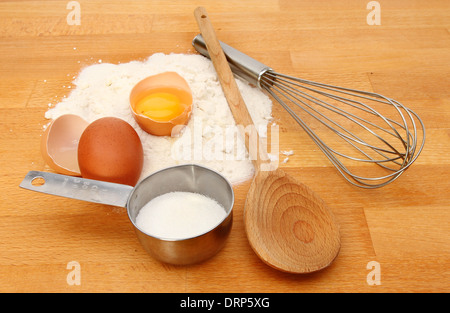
{"x": 230, "y": 88}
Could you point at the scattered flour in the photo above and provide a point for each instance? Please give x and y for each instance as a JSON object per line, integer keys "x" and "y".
{"x": 288, "y": 153}
{"x": 103, "y": 90}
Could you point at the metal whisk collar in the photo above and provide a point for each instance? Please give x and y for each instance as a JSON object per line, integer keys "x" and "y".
{"x": 352, "y": 129}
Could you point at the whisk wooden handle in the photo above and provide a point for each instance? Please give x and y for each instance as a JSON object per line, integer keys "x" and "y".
{"x": 229, "y": 86}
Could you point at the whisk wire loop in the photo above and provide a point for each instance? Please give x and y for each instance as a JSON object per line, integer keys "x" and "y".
{"x": 293, "y": 95}
{"x": 316, "y": 99}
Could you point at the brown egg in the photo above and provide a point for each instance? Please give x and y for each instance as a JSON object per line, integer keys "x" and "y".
{"x": 59, "y": 143}
{"x": 111, "y": 150}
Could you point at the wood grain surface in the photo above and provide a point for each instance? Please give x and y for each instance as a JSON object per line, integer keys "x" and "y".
{"x": 404, "y": 227}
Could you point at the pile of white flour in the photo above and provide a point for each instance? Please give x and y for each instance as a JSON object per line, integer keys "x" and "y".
{"x": 103, "y": 90}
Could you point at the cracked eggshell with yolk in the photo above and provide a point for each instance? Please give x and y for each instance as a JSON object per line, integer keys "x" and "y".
{"x": 169, "y": 83}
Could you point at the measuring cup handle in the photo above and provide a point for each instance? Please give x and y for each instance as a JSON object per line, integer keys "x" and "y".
{"x": 77, "y": 188}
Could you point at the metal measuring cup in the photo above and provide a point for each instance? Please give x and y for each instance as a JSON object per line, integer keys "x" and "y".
{"x": 188, "y": 178}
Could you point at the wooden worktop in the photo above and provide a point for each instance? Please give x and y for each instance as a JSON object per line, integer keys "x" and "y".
{"x": 404, "y": 227}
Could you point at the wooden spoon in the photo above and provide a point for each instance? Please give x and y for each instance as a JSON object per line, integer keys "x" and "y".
{"x": 288, "y": 226}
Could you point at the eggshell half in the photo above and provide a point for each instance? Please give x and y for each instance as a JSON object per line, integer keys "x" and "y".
{"x": 59, "y": 144}
{"x": 170, "y": 82}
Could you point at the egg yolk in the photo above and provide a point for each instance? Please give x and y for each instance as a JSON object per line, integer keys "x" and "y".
{"x": 160, "y": 106}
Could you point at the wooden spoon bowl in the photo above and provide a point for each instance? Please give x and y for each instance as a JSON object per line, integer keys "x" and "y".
{"x": 288, "y": 226}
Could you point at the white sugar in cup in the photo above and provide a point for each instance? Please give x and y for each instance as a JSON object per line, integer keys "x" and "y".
{"x": 180, "y": 215}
